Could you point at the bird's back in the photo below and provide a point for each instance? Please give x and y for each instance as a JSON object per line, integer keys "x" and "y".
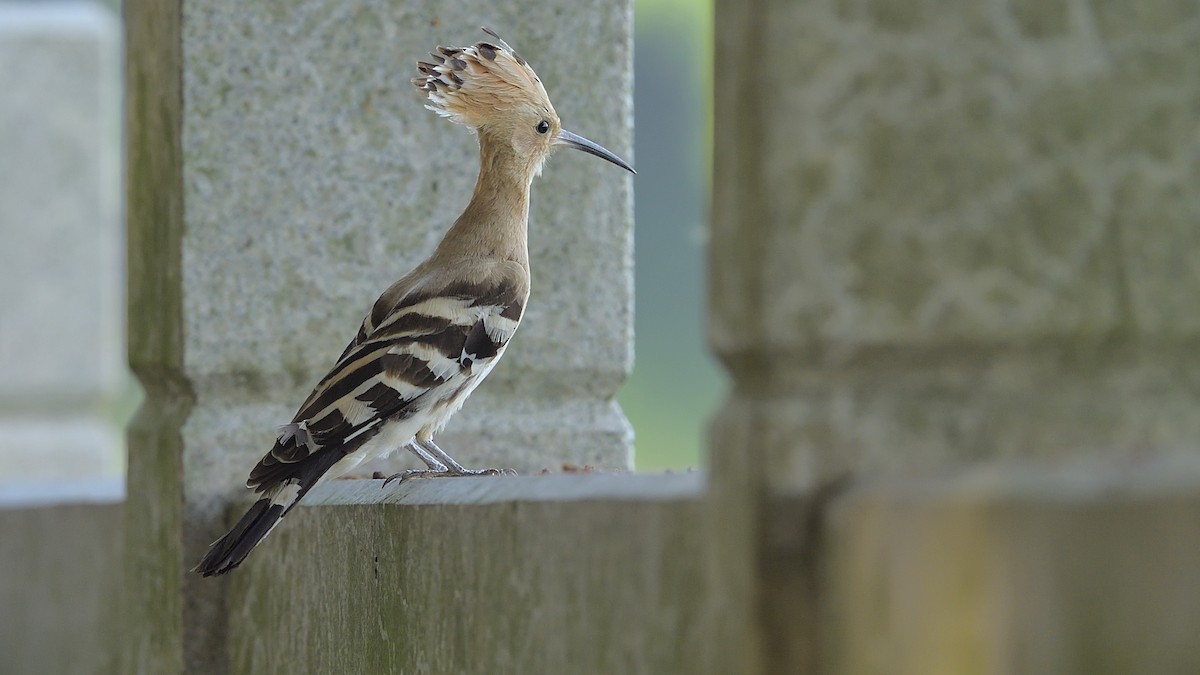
{"x": 426, "y": 343}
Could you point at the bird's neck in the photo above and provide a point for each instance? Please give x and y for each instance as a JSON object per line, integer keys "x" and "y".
{"x": 495, "y": 223}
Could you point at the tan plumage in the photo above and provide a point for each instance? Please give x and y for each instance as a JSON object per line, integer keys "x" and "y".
{"x": 470, "y": 84}
{"x": 434, "y": 335}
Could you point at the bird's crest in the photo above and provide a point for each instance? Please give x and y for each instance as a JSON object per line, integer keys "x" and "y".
{"x": 470, "y": 85}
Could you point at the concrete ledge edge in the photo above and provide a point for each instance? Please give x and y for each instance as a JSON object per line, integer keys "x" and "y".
{"x": 505, "y": 489}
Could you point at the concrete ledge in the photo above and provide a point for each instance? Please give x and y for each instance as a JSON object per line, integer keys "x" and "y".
{"x": 564, "y": 487}
{"x": 583, "y": 573}
{"x": 61, "y": 575}
{"x": 1088, "y": 570}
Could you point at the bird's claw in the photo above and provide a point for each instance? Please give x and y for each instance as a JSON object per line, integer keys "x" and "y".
{"x": 400, "y": 476}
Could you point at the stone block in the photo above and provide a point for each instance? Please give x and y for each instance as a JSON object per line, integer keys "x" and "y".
{"x": 984, "y": 175}
{"x": 1089, "y": 569}
{"x": 537, "y": 575}
{"x": 942, "y": 233}
{"x": 60, "y": 577}
{"x": 59, "y": 181}
{"x": 61, "y": 309}
{"x": 942, "y": 236}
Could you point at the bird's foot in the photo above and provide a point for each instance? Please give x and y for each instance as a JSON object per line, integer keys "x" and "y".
{"x": 402, "y": 476}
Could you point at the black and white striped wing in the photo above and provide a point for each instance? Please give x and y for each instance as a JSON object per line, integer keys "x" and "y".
{"x": 403, "y": 361}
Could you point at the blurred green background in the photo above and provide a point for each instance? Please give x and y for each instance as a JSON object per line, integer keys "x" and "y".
{"x": 675, "y": 384}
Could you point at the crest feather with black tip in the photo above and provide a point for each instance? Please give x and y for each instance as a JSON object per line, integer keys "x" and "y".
{"x": 470, "y": 85}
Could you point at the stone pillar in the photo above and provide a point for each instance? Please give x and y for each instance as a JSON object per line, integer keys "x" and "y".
{"x": 944, "y": 233}
{"x": 61, "y": 302}
{"x": 61, "y": 360}
{"x": 281, "y": 175}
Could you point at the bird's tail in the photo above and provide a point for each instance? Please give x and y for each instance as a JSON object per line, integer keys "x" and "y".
{"x": 230, "y": 550}
{"x": 289, "y": 482}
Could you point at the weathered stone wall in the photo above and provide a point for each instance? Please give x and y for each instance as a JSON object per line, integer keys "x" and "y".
{"x": 951, "y": 232}
{"x": 1090, "y": 569}
{"x": 61, "y": 577}
{"x": 942, "y": 233}
{"x": 537, "y": 575}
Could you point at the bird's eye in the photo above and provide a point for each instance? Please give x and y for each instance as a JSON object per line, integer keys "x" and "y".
{"x": 542, "y": 127}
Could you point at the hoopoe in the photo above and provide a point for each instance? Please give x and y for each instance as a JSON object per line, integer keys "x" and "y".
{"x": 434, "y": 335}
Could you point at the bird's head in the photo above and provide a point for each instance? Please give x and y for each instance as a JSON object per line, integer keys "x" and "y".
{"x": 491, "y": 89}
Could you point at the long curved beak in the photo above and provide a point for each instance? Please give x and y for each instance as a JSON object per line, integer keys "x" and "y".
{"x": 580, "y": 143}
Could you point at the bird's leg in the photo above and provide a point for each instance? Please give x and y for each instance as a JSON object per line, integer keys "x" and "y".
{"x": 424, "y": 455}
{"x": 436, "y": 468}
{"x": 456, "y": 469}
{"x": 441, "y": 465}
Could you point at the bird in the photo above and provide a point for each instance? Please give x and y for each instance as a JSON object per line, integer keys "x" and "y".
{"x": 433, "y": 336}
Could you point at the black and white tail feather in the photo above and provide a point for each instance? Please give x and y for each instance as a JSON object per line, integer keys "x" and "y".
{"x": 231, "y": 549}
